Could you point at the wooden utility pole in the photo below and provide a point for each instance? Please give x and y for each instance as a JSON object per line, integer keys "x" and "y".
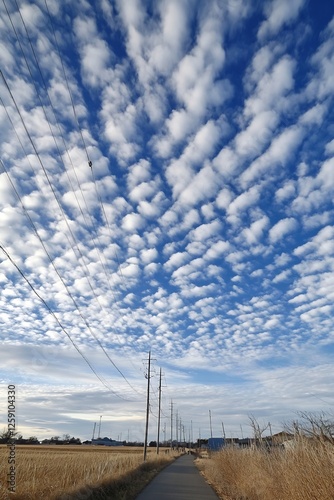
{"x": 171, "y": 424}
{"x": 177, "y": 428}
{"x": 164, "y": 431}
{"x": 148, "y": 403}
{"x": 180, "y": 435}
{"x": 224, "y": 435}
{"x": 210, "y": 423}
{"x": 159, "y": 414}
{"x": 192, "y": 437}
{"x": 100, "y": 427}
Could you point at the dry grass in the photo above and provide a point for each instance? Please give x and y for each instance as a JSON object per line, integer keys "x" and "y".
{"x": 302, "y": 473}
{"x": 80, "y": 472}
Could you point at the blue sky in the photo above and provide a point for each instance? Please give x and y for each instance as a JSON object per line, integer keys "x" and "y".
{"x": 202, "y": 231}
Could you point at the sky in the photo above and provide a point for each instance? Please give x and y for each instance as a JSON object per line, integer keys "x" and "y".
{"x": 166, "y": 186}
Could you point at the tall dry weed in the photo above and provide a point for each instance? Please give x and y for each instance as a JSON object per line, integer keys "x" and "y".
{"x": 303, "y": 472}
{"x": 65, "y": 473}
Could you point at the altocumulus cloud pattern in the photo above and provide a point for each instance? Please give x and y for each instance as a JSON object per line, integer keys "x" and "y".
{"x": 167, "y": 183}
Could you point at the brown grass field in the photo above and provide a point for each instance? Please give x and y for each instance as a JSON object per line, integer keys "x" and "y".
{"x": 304, "y": 472}
{"x": 80, "y": 472}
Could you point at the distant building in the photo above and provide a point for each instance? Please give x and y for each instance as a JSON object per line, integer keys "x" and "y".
{"x": 280, "y": 438}
{"x": 215, "y": 444}
{"x": 106, "y": 442}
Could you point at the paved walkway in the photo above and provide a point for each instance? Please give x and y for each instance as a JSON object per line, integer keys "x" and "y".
{"x": 179, "y": 481}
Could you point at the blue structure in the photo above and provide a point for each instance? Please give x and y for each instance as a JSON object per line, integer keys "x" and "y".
{"x": 216, "y": 444}
{"x": 106, "y": 442}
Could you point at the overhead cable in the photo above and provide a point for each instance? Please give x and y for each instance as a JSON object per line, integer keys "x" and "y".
{"x": 59, "y": 323}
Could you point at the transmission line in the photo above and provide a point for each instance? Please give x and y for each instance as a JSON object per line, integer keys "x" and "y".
{"x": 62, "y": 280}
{"x": 58, "y": 322}
{"x": 67, "y": 85}
{"x": 65, "y": 219}
{"x": 85, "y": 147}
{"x": 60, "y": 156}
{"x": 88, "y": 159}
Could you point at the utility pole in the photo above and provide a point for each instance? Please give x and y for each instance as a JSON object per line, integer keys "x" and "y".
{"x": 159, "y": 414}
{"x": 94, "y": 431}
{"x": 99, "y": 436}
{"x": 224, "y": 435}
{"x": 180, "y": 423}
{"x": 177, "y": 428}
{"x": 192, "y": 437}
{"x": 147, "y": 403}
{"x": 171, "y": 424}
{"x": 210, "y": 423}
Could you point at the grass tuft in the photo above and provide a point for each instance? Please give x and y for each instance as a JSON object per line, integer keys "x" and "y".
{"x": 304, "y": 472}
{"x": 80, "y": 472}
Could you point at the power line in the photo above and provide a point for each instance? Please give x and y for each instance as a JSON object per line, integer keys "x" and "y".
{"x": 62, "y": 280}
{"x": 54, "y": 114}
{"x": 67, "y": 85}
{"x": 60, "y": 156}
{"x": 71, "y": 232}
{"x": 58, "y": 322}
{"x": 88, "y": 158}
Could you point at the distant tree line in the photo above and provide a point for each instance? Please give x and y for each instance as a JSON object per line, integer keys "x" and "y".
{"x": 6, "y": 437}
{"x": 67, "y": 439}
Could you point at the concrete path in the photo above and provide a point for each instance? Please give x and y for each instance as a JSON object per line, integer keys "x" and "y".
{"x": 179, "y": 481}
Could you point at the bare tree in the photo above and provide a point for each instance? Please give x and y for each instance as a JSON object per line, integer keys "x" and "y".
{"x": 7, "y": 435}
{"x": 319, "y": 426}
{"x": 258, "y": 430}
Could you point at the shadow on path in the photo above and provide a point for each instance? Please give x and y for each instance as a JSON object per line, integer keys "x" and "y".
{"x": 179, "y": 481}
{"x": 125, "y": 487}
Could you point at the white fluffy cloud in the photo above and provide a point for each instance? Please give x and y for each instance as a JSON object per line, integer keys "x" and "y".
{"x": 279, "y": 13}
{"x": 282, "y": 228}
